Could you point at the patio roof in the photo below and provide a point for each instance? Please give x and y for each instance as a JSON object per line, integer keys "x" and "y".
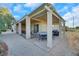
{"x": 40, "y": 9}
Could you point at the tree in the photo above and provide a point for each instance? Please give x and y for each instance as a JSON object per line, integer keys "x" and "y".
{"x": 6, "y": 19}
{"x": 77, "y": 27}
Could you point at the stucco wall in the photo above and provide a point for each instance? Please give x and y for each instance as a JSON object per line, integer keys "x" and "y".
{"x": 55, "y": 27}
{"x": 23, "y": 27}
{"x": 43, "y": 26}
{"x": 32, "y": 25}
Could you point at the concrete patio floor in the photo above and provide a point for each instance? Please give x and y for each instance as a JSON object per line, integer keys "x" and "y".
{"x": 18, "y": 46}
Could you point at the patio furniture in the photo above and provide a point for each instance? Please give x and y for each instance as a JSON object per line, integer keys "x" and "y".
{"x": 55, "y": 33}
{"x": 23, "y": 32}
{"x": 42, "y": 35}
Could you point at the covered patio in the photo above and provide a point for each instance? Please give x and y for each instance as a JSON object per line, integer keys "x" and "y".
{"x": 42, "y": 20}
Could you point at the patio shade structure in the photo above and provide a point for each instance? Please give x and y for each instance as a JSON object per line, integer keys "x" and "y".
{"x": 43, "y": 19}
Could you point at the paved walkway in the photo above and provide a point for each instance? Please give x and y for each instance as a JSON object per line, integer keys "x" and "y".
{"x": 18, "y": 46}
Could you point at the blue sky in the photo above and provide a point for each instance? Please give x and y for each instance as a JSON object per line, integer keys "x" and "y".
{"x": 66, "y": 10}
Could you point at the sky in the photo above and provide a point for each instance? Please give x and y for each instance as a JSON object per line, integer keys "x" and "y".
{"x": 68, "y": 11}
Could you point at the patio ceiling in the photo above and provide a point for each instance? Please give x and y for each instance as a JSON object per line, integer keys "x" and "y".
{"x": 43, "y": 16}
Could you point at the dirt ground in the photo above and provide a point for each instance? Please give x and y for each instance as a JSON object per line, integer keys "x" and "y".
{"x": 73, "y": 40}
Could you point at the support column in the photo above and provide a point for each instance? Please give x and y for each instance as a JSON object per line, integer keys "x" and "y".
{"x": 64, "y": 28}
{"x": 61, "y": 32}
{"x": 64, "y": 25}
{"x": 19, "y": 28}
{"x": 49, "y": 29}
{"x": 60, "y": 27}
{"x": 28, "y": 29}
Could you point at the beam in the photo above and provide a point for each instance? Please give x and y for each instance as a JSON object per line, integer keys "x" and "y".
{"x": 40, "y": 15}
{"x": 37, "y": 13}
{"x": 36, "y": 19}
{"x": 48, "y": 9}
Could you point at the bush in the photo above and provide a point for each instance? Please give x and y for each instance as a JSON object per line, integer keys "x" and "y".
{"x": 3, "y": 30}
{"x": 3, "y": 49}
{"x": 0, "y": 32}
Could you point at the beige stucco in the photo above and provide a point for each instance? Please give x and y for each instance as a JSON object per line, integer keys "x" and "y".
{"x": 43, "y": 24}
{"x": 23, "y": 26}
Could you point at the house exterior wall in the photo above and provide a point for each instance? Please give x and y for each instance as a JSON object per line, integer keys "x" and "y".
{"x": 55, "y": 27}
{"x": 23, "y": 28}
{"x": 43, "y": 25}
{"x": 32, "y": 25}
